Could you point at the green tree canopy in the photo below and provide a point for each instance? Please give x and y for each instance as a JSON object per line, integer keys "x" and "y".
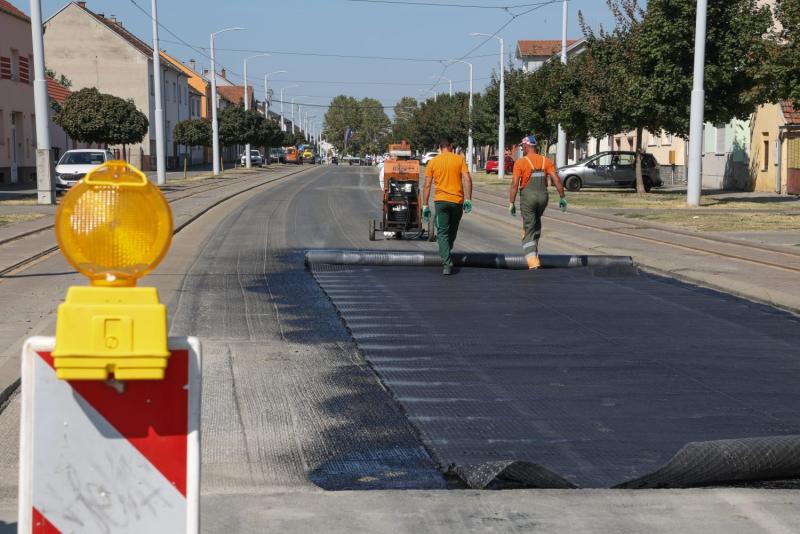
{"x": 90, "y": 116}
{"x": 374, "y": 128}
{"x": 193, "y": 132}
{"x": 234, "y": 126}
{"x": 403, "y": 126}
{"x": 444, "y": 116}
{"x": 344, "y": 112}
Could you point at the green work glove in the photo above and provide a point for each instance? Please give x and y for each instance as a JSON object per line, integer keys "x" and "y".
{"x": 426, "y": 214}
{"x": 562, "y": 204}
{"x": 512, "y": 209}
{"x": 467, "y": 206}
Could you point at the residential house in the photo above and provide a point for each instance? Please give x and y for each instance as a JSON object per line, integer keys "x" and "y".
{"x": 17, "y": 117}
{"x": 115, "y": 61}
{"x": 535, "y": 53}
{"x": 198, "y": 95}
{"x": 775, "y": 145}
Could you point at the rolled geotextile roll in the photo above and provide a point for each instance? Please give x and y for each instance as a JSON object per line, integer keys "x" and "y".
{"x": 460, "y": 259}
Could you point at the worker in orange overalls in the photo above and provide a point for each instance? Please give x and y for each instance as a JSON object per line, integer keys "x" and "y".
{"x": 530, "y": 180}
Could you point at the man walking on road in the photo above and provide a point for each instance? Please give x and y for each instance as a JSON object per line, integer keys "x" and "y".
{"x": 530, "y": 179}
{"x": 453, "y": 197}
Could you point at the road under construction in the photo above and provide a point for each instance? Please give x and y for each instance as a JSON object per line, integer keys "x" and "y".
{"x": 331, "y": 381}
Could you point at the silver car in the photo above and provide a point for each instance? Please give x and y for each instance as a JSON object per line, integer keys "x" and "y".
{"x": 610, "y": 169}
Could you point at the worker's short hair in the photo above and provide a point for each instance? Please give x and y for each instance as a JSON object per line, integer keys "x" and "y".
{"x": 445, "y": 142}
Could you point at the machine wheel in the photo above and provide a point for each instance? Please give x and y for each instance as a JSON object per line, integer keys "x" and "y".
{"x": 572, "y": 183}
{"x": 431, "y": 231}
{"x": 648, "y": 184}
{"x": 372, "y": 230}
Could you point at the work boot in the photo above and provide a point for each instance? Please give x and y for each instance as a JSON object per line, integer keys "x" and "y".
{"x": 447, "y": 270}
{"x": 533, "y": 262}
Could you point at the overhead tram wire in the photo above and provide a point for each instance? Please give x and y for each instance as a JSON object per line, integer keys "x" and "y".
{"x": 447, "y": 65}
{"x": 430, "y": 4}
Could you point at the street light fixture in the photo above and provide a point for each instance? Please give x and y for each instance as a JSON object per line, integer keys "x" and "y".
{"x": 501, "y": 130}
{"x": 449, "y": 81}
{"x": 266, "y": 90}
{"x": 283, "y": 122}
{"x": 292, "y": 109}
{"x": 426, "y": 91}
{"x": 247, "y": 104}
{"x": 214, "y": 122}
{"x": 470, "y": 145}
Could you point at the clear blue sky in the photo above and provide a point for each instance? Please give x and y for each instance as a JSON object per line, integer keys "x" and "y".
{"x": 346, "y": 28}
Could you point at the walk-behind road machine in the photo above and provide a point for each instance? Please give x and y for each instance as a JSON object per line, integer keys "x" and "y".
{"x": 402, "y": 198}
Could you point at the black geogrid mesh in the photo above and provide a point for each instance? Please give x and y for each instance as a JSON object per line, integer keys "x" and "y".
{"x": 583, "y": 377}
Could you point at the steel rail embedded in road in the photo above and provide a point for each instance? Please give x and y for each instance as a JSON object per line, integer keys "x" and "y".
{"x": 765, "y": 263}
{"x": 34, "y": 258}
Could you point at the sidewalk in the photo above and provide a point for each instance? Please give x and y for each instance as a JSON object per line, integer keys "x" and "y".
{"x": 759, "y": 266}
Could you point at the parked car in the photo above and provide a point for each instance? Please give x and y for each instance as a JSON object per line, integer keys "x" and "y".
{"x": 611, "y": 169}
{"x": 334, "y": 160}
{"x": 308, "y": 155}
{"x": 492, "y": 165}
{"x": 255, "y": 158}
{"x": 277, "y": 155}
{"x": 428, "y": 156}
{"x": 74, "y": 165}
{"x": 293, "y": 156}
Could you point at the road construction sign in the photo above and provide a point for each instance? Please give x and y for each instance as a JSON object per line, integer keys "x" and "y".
{"x": 110, "y": 456}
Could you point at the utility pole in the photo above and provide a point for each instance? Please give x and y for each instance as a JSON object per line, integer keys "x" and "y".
{"x": 501, "y": 130}
{"x": 161, "y": 165}
{"x": 266, "y": 91}
{"x": 247, "y": 105}
{"x": 470, "y": 146}
{"x": 694, "y": 181}
{"x": 283, "y": 121}
{"x": 561, "y": 151}
{"x": 44, "y": 156}
{"x": 214, "y": 121}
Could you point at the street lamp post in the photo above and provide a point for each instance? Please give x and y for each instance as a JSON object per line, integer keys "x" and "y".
{"x": 44, "y": 156}
{"x": 161, "y": 167}
{"x": 448, "y": 80}
{"x": 694, "y": 179}
{"x": 501, "y": 130}
{"x": 247, "y": 105}
{"x": 283, "y": 121}
{"x": 561, "y": 150}
{"x": 214, "y": 122}
{"x": 470, "y": 145}
{"x": 426, "y": 91}
{"x": 266, "y": 90}
{"x": 292, "y": 105}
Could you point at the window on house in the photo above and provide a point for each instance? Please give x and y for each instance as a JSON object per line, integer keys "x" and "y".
{"x": 166, "y": 90}
{"x": 174, "y": 92}
{"x": 652, "y": 139}
{"x": 667, "y": 140}
{"x": 24, "y": 69}
{"x": 765, "y": 159}
{"x": 152, "y": 92}
{"x": 5, "y": 68}
{"x": 14, "y": 64}
{"x": 180, "y": 97}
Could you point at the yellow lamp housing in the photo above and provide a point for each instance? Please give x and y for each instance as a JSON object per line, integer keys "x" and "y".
{"x": 114, "y": 226}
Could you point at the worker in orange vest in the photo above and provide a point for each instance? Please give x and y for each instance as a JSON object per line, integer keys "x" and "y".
{"x": 530, "y": 180}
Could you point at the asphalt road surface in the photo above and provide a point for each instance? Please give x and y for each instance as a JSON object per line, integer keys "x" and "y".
{"x": 352, "y": 388}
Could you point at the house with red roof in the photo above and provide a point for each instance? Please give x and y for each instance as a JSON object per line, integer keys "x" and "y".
{"x": 533, "y": 53}
{"x": 114, "y": 60}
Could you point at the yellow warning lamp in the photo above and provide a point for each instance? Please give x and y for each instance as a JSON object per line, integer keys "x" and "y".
{"x": 114, "y": 227}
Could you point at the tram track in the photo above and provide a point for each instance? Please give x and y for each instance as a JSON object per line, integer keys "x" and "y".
{"x": 34, "y": 258}
{"x": 631, "y": 233}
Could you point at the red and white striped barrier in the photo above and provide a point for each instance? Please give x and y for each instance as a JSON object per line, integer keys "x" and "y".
{"x": 110, "y": 457}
